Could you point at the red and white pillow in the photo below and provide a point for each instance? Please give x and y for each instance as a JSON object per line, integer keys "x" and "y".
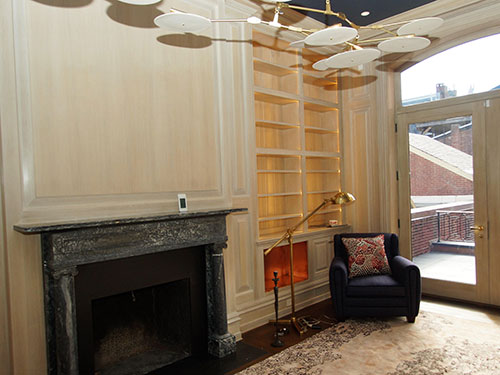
{"x": 366, "y": 256}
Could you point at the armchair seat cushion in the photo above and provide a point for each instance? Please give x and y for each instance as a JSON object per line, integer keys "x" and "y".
{"x": 375, "y": 286}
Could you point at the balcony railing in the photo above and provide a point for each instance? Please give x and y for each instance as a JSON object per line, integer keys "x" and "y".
{"x": 455, "y": 225}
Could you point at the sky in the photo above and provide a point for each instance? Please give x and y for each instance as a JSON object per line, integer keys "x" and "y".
{"x": 474, "y": 65}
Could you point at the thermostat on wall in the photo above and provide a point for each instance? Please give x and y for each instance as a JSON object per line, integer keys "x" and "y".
{"x": 181, "y": 198}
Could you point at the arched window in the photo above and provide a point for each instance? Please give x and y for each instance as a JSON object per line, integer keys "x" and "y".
{"x": 469, "y": 68}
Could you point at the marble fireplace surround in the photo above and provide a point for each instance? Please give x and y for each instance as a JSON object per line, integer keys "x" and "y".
{"x": 65, "y": 246}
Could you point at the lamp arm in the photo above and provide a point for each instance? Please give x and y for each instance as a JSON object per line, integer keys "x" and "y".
{"x": 309, "y": 215}
{"x": 289, "y": 232}
{"x": 283, "y": 237}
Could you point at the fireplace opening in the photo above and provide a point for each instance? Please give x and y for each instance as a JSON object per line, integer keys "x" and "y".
{"x": 138, "y": 314}
{"x": 142, "y": 330}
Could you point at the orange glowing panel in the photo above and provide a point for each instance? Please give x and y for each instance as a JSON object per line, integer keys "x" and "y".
{"x": 279, "y": 260}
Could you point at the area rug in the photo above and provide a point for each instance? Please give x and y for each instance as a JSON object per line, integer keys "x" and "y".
{"x": 434, "y": 344}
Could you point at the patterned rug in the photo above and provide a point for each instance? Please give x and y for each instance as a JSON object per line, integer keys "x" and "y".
{"x": 434, "y": 344}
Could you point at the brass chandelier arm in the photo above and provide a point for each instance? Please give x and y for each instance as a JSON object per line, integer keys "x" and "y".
{"x": 328, "y": 11}
{"x": 376, "y": 40}
{"x": 379, "y": 27}
{"x": 354, "y": 46}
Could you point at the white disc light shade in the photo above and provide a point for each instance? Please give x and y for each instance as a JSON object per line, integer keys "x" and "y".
{"x": 321, "y": 65}
{"x": 352, "y": 58}
{"x": 421, "y": 26}
{"x": 184, "y": 22}
{"x": 404, "y": 44}
{"x": 331, "y": 36}
{"x": 140, "y": 2}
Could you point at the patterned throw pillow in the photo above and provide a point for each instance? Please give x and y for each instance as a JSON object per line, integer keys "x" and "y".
{"x": 366, "y": 256}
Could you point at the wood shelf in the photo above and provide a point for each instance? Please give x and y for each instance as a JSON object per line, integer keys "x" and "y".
{"x": 274, "y": 152}
{"x": 323, "y": 171}
{"x": 312, "y": 129}
{"x": 267, "y": 95}
{"x": 322, "y": 154}
{"x": 264, "y": 66}
{"x": 278, "y": 171}
{"x": 275, "y": 125}
{"x": 280, "y": 217}
{"x": 319, "y": 81}
{"x": 320, "y": 106}
{"x": 323, "y": 192}
{"x": 279, "y": 194}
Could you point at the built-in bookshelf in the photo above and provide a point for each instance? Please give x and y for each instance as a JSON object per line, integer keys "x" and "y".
{"x": 297, "y": 137}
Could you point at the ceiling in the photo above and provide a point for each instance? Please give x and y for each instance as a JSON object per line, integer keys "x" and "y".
{"x": 379, "y": 9}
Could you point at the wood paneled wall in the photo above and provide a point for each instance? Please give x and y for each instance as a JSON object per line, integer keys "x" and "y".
{"x": 369, "y": 148}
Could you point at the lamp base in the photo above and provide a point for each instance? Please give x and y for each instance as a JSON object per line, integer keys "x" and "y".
{"x": 293, "y": 322}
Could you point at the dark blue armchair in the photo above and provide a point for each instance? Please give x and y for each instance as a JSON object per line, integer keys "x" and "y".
{"x": 397, "y": 294}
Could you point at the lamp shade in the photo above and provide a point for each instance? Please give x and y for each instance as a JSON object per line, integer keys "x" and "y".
{"x": 331, "y": 36}
{"x": 404, "y": 44}
{"x": 421, "y": 26}
{"x": 139, "y": 2}
{"x": 352, "y": 58}
{"x": 342, "y": 198}
{"x": 183, "y": 22}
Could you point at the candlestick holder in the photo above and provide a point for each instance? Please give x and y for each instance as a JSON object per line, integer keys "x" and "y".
{"x": 277, "y": 343}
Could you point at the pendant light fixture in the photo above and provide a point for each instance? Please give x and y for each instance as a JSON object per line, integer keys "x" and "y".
{"x": 408, "y": 37}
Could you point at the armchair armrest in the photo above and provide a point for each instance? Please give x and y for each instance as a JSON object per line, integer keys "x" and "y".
{"x": 338, "y": 270}
{"x": 401, "y": 269}
{"x": 408, "y": 274}
{"x": 338, "y": 283}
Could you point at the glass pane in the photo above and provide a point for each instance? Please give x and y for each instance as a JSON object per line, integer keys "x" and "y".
{"x": 466, "y": 69}
{"x": 442, "y": 199}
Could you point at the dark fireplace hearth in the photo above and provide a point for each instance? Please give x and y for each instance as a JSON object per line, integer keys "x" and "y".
{"x": 128, "y": 296}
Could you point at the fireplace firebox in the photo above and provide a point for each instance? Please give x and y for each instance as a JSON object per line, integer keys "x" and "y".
{"x": 148, "y": 290}
{"x": 137, "y": 314}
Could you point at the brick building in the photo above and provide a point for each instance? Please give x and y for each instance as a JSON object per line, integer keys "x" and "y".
{"x": 438, "y": 169}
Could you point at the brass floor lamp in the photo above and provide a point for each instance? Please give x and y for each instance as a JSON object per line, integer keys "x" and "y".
{"x": 340, "y": 198}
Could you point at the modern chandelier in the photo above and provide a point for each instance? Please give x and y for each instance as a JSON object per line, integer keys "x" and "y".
{"x": 398, "y": 37}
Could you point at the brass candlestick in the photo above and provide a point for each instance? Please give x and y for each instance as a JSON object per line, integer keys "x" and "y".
{"x": 277, "y": 343}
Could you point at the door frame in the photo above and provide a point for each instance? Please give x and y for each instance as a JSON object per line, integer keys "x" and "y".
{"x": 473, "y": 105}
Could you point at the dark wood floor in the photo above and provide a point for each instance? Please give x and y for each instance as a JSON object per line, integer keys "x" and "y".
{"x": 254, "y": 347}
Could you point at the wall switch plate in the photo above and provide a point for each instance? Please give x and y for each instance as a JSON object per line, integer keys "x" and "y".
{"x": 182, "y": 200}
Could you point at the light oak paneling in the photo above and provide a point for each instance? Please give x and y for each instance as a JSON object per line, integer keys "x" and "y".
{"x": 242, "y": 122}
{"x": 106, "y": 117}
{"x": 245, "y": 262}
{"x": 23, "y": 339}
{"x": 364, "y": 125}
{"x": 322, "y": 254}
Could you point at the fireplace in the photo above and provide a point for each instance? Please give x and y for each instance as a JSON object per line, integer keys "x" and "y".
{"x": 147, "y": 291}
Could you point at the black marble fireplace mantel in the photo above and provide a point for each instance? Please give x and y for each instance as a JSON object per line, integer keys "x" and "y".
{"x": 67, "y": 245}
